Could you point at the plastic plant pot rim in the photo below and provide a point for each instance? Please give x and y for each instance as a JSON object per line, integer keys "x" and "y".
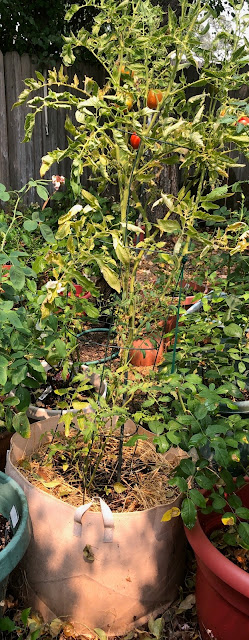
{"x": 224, "y": 569}
{"x": 11, "y": 548}
{"x": 114, "y": 355}
{"x": 242, "y": 407}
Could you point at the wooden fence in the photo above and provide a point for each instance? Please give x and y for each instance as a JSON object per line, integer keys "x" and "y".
{"x": 21, "y": 162}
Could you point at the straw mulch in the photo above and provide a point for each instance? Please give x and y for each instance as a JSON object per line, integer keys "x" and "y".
{"x": 144, "y": 479}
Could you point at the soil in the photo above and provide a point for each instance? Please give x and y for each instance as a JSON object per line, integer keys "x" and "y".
{"x": 237, "y": 555}
{"x": 95, "y": 346}
{"x": 5, "y": 532}
{"x": 145, "y": 473}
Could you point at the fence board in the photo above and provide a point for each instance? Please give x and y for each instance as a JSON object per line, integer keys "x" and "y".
{"x": 4, "y": 157}
{"x": 19, "y": 162}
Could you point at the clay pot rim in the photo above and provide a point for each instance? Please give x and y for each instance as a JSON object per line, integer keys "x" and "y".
{"x": 215, "y": 561}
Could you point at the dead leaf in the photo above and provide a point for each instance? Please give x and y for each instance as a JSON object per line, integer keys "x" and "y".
{"x": 88, "y": 554}
{"x": 68, "y": 630}
{"x": 55, "y": 627}
{"x": 118, "y": 487}
{"x": 156, "y": 627}
{"x": 186, "y": 604}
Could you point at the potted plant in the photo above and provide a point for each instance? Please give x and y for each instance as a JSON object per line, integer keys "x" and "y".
{"x": 128, "y": 587}
{"x": 14, "y": 510}
{"x": 126, "y": 147}
{"x": 221, "y": 585}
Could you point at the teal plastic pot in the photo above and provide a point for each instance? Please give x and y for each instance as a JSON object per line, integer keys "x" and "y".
{"x": 14, "y": 507}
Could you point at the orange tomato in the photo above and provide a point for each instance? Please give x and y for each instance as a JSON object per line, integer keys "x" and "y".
{"x": 126, "y": 72}
{"x": 154, "y": 98}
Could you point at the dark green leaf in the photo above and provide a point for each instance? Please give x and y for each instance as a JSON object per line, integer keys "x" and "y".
{"x": 17, "y": 278}
{"x": 30, "y": 225}
{"x": 21, "y": 424}
{"x": 187, "y": 466}
{"x": 243, "y": 529}
{"x": 242, "y": 512}
{"x": 233, "y": 330}
{"x": 188, "y": 513}
{"x": 47, "y": 234}
{"x": 197, "y": 497}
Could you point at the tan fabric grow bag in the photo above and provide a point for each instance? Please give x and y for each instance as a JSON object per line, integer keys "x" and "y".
{"x": 131, "y": 578}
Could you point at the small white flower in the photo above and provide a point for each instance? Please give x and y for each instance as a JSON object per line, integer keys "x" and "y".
{"x": 52, "y": 284}
{"x": 57, "y": 181}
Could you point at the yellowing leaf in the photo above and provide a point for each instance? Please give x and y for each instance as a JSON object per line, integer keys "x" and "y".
{"x": 171, "y": 513}
{"x": 118, "y": 487}
{"x": 75, "y": 80}
{"x": 52, "y": 484}
{"x": 47, "y": 161}
{"x": 64, "y": 490}
{"x": 228, "y": 521}
{"x": 101, "y": 634}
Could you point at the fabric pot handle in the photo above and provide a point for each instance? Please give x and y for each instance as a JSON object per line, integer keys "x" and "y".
{"x": 107, "y": 517}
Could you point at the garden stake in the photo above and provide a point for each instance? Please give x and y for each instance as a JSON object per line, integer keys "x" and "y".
{"x": 184, "y": 260}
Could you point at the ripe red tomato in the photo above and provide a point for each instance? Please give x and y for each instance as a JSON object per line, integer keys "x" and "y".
{"x": 154, "y": 98}
{"x": 135, "y": 141}
{"x": 243, "y": 120}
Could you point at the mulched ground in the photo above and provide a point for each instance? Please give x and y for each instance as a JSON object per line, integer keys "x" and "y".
{"x": 145, "y": 473}
{"x": 5, "y": 532}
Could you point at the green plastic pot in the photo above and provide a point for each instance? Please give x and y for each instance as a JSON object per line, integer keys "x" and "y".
{"x": 14, "y": 507}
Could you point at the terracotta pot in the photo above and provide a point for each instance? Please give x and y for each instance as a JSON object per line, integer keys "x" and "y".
{"x": 195, "y": 287}
{"x": 144, "y": 353}
{"x": 138, "y": 560}
{"x": 6, "y": 268}
{"x": 78, "y": 292}
{"x": 5, "y": 437}
{"x": 222, "y": 588}
{"x": 188, "y": 302}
